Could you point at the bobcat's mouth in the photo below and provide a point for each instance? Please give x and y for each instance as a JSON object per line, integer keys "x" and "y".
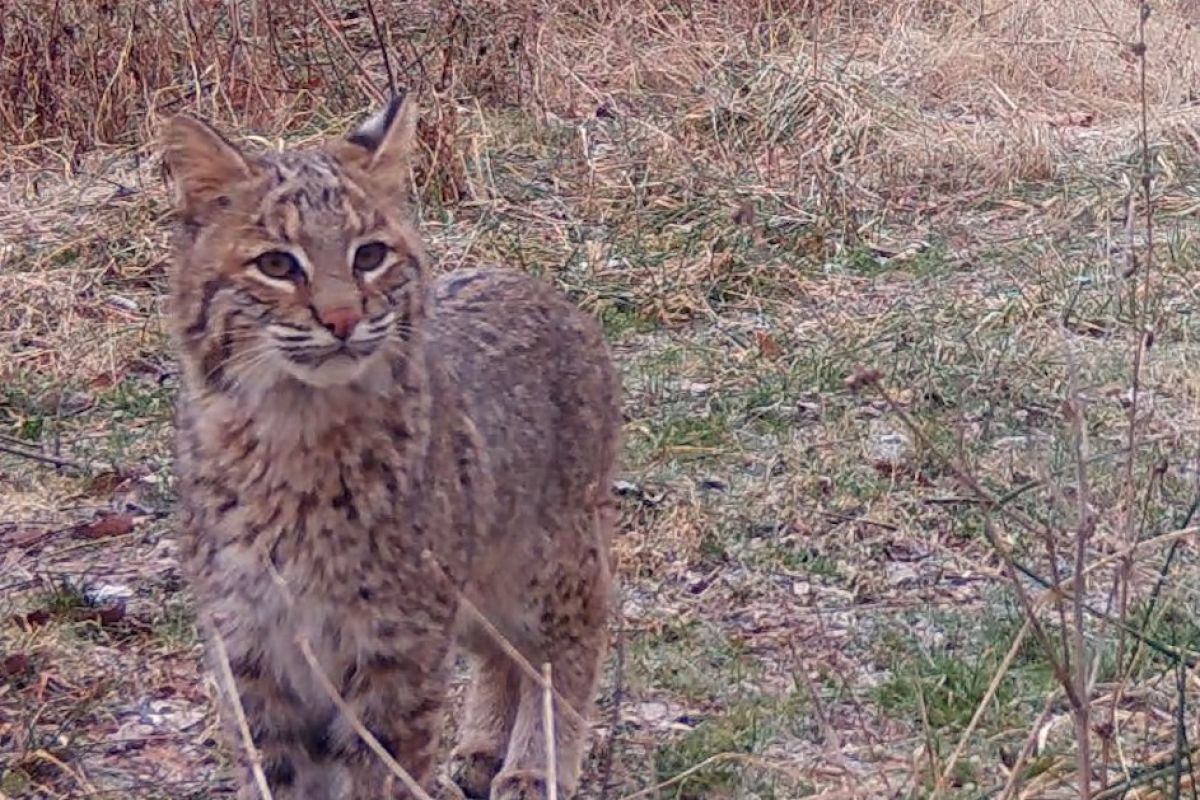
{"x": 326, "y": 363}
{"x": 316, "y": 355}
{"x": 335, "y": 366}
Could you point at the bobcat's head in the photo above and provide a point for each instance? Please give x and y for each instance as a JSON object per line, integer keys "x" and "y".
{"x": 293, "y": 266}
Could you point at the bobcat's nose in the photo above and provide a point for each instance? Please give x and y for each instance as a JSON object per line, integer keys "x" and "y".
{"x": 340, "y": 321}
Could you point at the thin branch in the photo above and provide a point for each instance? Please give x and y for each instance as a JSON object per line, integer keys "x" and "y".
{"x": 368, "y": 83}
{"x": 989, "y": 503}
{"x": 1014, "y": 775}
{"x": 618, "y": 691}
{"x": 1083, "y": 535}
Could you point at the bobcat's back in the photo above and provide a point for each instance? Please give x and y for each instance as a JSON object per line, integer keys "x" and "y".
{"x": 537, "y": 380}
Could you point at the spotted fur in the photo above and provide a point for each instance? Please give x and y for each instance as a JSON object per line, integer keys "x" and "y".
{"x": 385, "y": 444}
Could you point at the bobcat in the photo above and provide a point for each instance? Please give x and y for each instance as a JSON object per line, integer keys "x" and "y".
{"x": 359, "y": 448}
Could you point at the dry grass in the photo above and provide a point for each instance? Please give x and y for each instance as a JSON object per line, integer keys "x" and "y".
{"x": 826, "y": 593}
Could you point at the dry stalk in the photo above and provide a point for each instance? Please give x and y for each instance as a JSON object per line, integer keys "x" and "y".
{"x": 1053, "y": 591}
{"x": 829, "y": 734}
{"x": 988, "y": 500}
{"x": 1014, "y": 774}
{"x": 504, "y": 644}
{"x": 1074, "y": 682}
{"x": 336, "y": 698}
{"x": 368, "y": 81}
{"x": 548, "y": 732}
{"x": 361, "y": 730}
{"x": 618, "y": 692}
{"x": 930, "y": 750}
{"x": 986, "y": 701}
{"x": 543, "y": 679}
{"x": 1143, "y": 333}
{"x": 991, "y": 503}
{"x": 1142, "y": 336}
{"x": 239, "y": 713}
{"x": 383, "y": 49}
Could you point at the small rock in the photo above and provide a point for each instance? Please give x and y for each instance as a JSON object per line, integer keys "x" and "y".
{"x": 627, "y": 489}
{"x": 888, "y": 446}
{"x": 122, "y": 302}
{"x": 107, "y": 593}
{"x": 175, "y": 715}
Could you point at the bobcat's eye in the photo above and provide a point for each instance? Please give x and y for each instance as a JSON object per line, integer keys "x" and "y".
{"x": 370, "y": 256}
{"x": 279, "y": 265}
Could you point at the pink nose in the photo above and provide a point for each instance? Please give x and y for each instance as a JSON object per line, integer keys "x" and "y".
{"x": 340, "y": 321}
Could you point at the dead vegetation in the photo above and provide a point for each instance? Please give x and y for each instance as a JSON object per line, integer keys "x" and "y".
{"x": 936, "y": 581}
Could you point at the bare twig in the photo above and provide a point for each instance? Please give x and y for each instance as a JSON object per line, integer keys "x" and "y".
{"x": 1143, "y": 331}
{"x": 969, "y": 481}
{"x": 1031, "y": 739}
{"x": 368, "y": 84}
{"x": 618, "y": 691}
{"x": 931, "y": 752}
{"x": 828, "y": 732}
{"x": 990, "y": 503}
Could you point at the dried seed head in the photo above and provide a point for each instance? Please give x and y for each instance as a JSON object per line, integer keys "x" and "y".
{"x": 861, "y": 378}
{"x": 744, "y": 214}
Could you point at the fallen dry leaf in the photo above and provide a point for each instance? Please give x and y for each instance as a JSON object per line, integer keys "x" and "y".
{"x": 767, "y": 346}
{"x": 14, "y": 665}
{"x": 109, "y": 615}
{"x": 107, "y": 482}
{"x": 744, "y": 213}
{"x": 115, "y": 525}
{"x": 106, "y": 615}
{"x": 24, "y": 537}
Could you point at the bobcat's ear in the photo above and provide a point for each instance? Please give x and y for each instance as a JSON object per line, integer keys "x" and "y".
{"x": 383, "y": 145}
{"x": 204, "y": 165}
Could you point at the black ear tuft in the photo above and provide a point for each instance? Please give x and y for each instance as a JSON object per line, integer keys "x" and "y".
{"x": 383, "y": 146}
{"x": 371, "y": 133}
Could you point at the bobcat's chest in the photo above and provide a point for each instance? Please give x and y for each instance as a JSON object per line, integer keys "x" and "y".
{"x": 323, "y": 509}
{"x": 280, "y": 628}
